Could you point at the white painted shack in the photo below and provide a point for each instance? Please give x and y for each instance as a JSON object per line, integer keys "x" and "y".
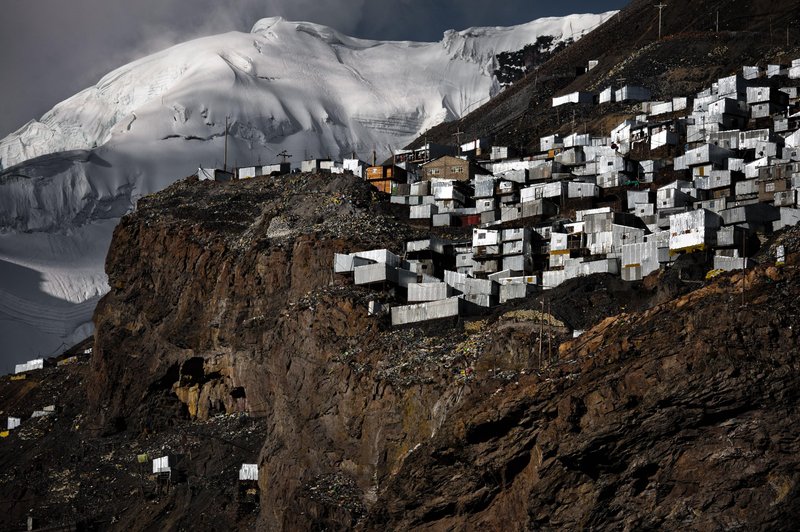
{"x": 13, "y": 422}
{"x": 379, "y": 272}
{"x": 733, "y": 86}
{"x": 671, "y": 196}
{"x": 553, "y": 278}
{"x": 357, "y": 168}
{"x": 485, "y": 237}
{"x": 455, "y": 280}
{"x": 730, "y": 263}
{"x": 606, "y": 95}
{"x": 249, "y": 172}
{"x": 30, "y": 365}
{"x": 749, "y": 140}
{"x": 693, "y": 230}
{"x": 632, "y": 93}
{"x": 660, "y": 108}
{"x": 550, "y": 142}
{"x": 579, "y": 97}
{"x": 577, "y": 189}
{"x": 161, "y": 465}
{"x": 542, "y": 190}
{"x": 421, "y": 292}
{"x": 707, "y": 154}
{"x": 433, "y": 310}
{"x": 46, "y": 411}
{"x": 751, "y": 72}
{"x": 777, "y": 70}
{"x": 639, "y": 260}
{"x": 248, "y": 472}
{"x": 312, "y": 165}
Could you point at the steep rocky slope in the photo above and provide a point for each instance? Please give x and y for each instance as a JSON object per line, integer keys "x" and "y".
{"x": 226, "y": 339}
{"x": 678, "y": 417}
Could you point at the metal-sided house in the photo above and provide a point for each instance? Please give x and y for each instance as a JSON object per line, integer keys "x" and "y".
{"x": 693, "y": 231}
{"x": 312, "y": 165}
{"x": 276, "y": 169}
{"x": 632, "y": 93}
{"x": 765, "y": 102}
{"x": 734, "y": 87}
{"x": 249, "y": 172}
{"x": 728, "y": 113}
{"x": 794, "y": 71}
{"x": 777, "y": 70}
{"x": 357, "y": 167}
{"x": 578, "y": 97}
{"x": 474, "y": 148}
{"x": 214, "y": 174}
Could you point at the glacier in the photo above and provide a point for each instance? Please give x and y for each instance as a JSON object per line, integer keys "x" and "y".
{"x": 67, "y": 178}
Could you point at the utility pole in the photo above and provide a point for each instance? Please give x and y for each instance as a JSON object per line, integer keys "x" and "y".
{"x": 660, "y": 8}
{"x": 541, "y": 333}
{"x": 717, "y": 20}
{"x": 549, "y": 333}
{"x": 457, "y": 135}
{"x": 744, "y": 263}
{"x": 284, "y": 155}
{"x": 225, "y": 160}
{"x": 770, "y": 31}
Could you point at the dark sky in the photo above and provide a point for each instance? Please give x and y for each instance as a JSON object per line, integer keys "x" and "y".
{"x": 51, "y": 49}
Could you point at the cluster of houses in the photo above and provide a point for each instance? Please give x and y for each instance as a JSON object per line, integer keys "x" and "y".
{"x": 707, "y": 174}
{"x": 20, "y": 373}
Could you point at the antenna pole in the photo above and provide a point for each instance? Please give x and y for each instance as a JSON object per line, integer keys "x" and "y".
{"x": 660, "y": 8}
{"x": 225, "y": 160}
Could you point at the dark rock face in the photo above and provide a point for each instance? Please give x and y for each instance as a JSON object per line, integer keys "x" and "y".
{"x": 222, "y": 302}
{"x": 679, "y": 417}
{"x": 227, "y": 340}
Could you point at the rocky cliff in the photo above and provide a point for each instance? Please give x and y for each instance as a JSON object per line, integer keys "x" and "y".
{"x": 679, "y": 417}
{"x": 223, "y": 300}
{"x": 226, "y": 339}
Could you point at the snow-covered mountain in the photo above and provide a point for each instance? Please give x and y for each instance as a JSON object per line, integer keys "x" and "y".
{"x": 287, "y": 85}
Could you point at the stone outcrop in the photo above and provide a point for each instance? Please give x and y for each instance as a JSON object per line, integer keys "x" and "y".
{"x": 226, "y": 339}
{"x": 213, "y": 312}
{"x": 677, "y": 417}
